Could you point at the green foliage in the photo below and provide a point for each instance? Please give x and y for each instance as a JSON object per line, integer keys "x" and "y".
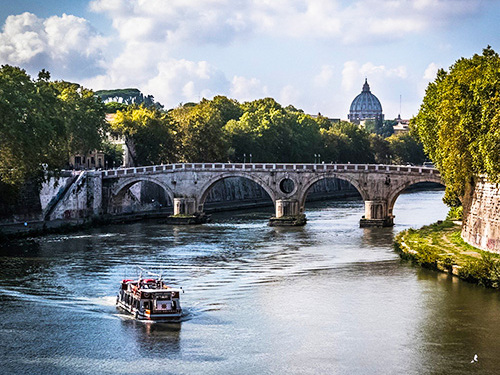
{"x": 384, "y": 128}
{"x": 405, "y": 149}
{"x": 201, "y": 129}
{"x": 84, "y": 117}
{"x": 439, "y": 246}
{"x": 455, "y": 213}
{"x": 272, "y": 133}
{"x": 458, "y": 122}
{"x": 346, "y": 142}
{"x": 129, "y": 96}
{"x": 387, "y": 128}
{"x": 484, "y": 271}
{"x": 149, "y": 134}
{"x": 42, "y": 122}
{"x": 113, "y": 154}
{"x": 113, "y": 107}
{"x": 381, "y": 149}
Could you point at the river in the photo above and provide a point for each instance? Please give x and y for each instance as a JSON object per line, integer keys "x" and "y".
{"x": 327, "y": 298}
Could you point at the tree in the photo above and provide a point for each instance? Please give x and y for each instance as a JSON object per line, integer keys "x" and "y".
{"x": 381, "y": 149}
{"x": 150, "y": 132}
{"x": 84, "y": 117}
{"x": 30, "y": 127}
{"x": 405, "y": 149}
{"x": 346, "y": 142}
{"x": 272, "y": 133}
{"x": 458, "y": 122}
{"x": 202, "y": 135}
{"x": 113, "y": 107}
{"x": 383, "y": 128}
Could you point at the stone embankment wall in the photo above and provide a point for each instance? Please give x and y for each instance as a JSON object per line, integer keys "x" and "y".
{"x": 481, "y": 227}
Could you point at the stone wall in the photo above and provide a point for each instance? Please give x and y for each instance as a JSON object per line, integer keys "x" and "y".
{"x": 481, "y": 227}
{"x": 51, "y": 188}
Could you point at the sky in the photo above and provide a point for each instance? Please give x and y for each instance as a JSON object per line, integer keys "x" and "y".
{"x": 312, "y": 54}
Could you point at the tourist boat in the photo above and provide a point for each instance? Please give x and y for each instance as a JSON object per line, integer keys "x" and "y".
{"x": 149, "y": 299}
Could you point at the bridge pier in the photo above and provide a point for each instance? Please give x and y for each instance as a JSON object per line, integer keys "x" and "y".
{"x": 184, "y": 206}
{"x": 377, "y": 214}
{"x": 186, "y": 213}
{"x": 287, "y": 213}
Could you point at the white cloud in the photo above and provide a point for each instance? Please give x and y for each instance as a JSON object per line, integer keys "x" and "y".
{"x": 157, "y": 34}
{"x": 185, "y": 81}
{"x": 324, "y": 77}
{"x": 247, "y": 89}
{"x": 430, "y": 72}
{"x": 289, "y": 95}
{"x": 375, "y": 73}
{"x": 64, "y": 44}
{"x": 222, "y": 21}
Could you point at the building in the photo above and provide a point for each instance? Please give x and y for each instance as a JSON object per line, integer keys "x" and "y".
{"x": 97, "y": 159}
{"x": 365, "y": 106}
{"x": 402, "y": 126}
{"x": 92, "y": 160}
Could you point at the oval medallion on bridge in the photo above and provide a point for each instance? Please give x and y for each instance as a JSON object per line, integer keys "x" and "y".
{"x": 287, "y": 185}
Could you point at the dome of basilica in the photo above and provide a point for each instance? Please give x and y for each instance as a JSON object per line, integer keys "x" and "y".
{"x": 365, "y": 106}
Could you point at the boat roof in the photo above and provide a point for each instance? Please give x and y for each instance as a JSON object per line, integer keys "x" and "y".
{"x": 165, "y": 288}
{"x": 146, "y": 290}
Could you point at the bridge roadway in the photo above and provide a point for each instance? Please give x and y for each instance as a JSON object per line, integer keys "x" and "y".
{"x": 188, "y": 184}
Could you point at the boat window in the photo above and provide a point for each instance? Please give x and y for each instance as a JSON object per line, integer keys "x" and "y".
{"x": 146, "y": 305}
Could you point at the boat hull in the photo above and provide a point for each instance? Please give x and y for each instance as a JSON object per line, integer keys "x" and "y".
{"x": 173, "y": 315}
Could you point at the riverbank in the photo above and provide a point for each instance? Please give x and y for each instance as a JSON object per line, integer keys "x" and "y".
{"x": 439, "y": 246}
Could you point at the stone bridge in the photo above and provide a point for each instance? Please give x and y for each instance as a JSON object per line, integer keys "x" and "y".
{"x": 187, "y": 185}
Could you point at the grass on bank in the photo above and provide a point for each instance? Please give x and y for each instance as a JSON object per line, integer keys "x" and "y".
{"x": 439, "y": 246}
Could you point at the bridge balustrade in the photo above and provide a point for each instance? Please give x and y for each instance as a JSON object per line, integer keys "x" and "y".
{"x": 266, "y": 167}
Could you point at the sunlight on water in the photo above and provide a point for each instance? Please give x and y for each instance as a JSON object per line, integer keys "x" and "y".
{"x": 328, "y": 297}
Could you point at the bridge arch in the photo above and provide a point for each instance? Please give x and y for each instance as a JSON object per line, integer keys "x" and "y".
{"x": 397, "y": 190}
{"x": 307, "y": 186}
{"x": 120, "y": 189}
{"x": 205, "y": 189}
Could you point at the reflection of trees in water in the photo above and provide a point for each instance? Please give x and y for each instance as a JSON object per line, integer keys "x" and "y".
{"x": 20, "y": 261}
{"x": 465, "y": 320}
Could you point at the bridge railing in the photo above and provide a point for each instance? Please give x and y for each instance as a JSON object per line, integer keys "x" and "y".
{"x": 248, "y": 167}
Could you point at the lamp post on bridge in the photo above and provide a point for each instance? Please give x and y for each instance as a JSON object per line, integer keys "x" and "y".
{"x": 244, "y": 158}
{"x": 250, "y": 158}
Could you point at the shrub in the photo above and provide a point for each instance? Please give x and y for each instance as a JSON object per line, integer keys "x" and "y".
{"x": 455, "y": 213}
{"x": 484, "y": 271}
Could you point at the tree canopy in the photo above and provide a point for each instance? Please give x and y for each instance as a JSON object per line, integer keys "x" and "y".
{"x": 149, "y": 133}
{"x": 459, "y": 122}
{"x": 42, "y": 122}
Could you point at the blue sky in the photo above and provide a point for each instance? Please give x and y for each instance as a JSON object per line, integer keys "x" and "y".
{"x": 313, "y": 54}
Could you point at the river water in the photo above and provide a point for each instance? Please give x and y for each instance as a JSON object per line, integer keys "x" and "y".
{"x": 328, "y": 298}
